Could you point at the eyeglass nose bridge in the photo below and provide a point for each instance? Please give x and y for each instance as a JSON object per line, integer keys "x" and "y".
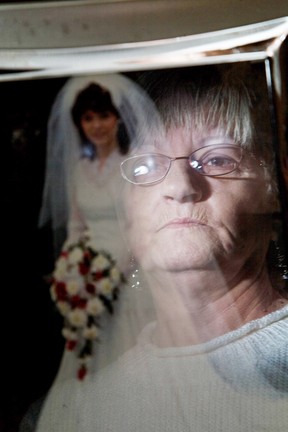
{"x": 180, "y": 158}
{"x": 171, "y": 159}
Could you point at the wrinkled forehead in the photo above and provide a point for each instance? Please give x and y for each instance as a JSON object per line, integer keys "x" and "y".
{"x": 194, "y": 120}
{"x": 181, "y": 139}
{"x": 191, "y": 129}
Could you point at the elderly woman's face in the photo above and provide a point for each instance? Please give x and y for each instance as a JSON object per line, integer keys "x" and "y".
{"x": 192, "y": 221}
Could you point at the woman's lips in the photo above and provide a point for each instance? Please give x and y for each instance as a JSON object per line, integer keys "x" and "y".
{"x": 98, "y": 136}
{"x": 182, "y": 223}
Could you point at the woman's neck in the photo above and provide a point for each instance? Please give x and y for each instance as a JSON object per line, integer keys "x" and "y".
{"x": 191, "y": 312}
{"x": 103, "y": 153}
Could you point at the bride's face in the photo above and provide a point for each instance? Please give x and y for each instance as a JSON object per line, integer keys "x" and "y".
{"x": 189, "y": 221}
{"x": 100, "y": 128}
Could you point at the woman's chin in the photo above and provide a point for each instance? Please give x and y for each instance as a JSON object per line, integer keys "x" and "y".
{"x": 182, "y": 259}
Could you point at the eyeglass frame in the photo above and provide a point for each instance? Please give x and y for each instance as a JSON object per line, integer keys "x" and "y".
{"x": 171, "y": 159}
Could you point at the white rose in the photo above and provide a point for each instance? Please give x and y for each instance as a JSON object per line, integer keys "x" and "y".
{"x": 86, "y": 360}
{"x": 99, "y": 263}
{"x": 94, "y": 306}
{"x": 115, "y": 275}
{"x": 73, "y": 286}
{"x": 69, "y": 334}
{"x": 105, "y": 286}
{"x": 63, "y": 307}
{"x": 75, "y": 256}
{"x": 53, "y": 292}
{"x": 77, "y": 317}
{"x": 91, "y": 332}
{"x": 60, "y": 268}
{"x": 61, "y": 261}
{"x": 73, "y": 272}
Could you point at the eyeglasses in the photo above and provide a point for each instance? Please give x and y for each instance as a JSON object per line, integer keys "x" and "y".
{"x": 211, "y": 160}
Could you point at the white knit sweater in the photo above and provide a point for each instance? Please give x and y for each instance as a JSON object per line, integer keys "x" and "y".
{"x": 234, "y": 383}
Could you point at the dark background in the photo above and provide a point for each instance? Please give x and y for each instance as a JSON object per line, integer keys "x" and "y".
{"x": 31, "y": 339}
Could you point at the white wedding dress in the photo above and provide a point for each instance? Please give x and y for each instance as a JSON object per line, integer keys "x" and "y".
{"x": 68, "y": 174}
{"x": 94, "y": 209}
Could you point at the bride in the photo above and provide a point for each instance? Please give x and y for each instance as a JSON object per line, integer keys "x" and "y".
{"x": 90, "y": 128}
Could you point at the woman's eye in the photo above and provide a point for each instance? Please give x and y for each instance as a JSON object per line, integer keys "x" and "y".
{"x": 86, "y": 118}
{"x": 219, "y": 161}
{"x": 105, "y": 115}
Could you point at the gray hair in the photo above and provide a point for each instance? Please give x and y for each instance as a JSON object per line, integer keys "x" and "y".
{"x": 211, "y": 96}
{"x": 233, "y": 98}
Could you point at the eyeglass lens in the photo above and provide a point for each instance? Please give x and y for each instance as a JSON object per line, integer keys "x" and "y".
{"x": 213, "y": 160}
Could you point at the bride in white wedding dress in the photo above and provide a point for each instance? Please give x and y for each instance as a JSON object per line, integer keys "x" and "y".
{"x": 90, "y": 128}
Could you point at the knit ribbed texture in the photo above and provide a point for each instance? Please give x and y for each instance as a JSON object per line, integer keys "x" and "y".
{"x": 235, "y": 383}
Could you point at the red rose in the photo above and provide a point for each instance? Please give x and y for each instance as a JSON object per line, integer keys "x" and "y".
{"x": 82, "y": 371}
{"x": 61, "y": 291}
{"x": 70, "y": 345}
{"x": 98, "y": 275}
{"x": 90, "y": 288}
{"x": 77, "y": 301}
{"x": 83, "y": 268}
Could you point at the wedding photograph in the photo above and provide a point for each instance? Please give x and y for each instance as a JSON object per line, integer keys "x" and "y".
{"x": 146, "y": 216}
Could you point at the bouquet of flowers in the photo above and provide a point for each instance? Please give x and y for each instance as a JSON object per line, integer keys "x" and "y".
{"x": 84, "y": 284}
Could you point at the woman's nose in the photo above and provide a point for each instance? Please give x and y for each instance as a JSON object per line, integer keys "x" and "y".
{"x": 96, "y": 123}
{"x": 183, "y": 184}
